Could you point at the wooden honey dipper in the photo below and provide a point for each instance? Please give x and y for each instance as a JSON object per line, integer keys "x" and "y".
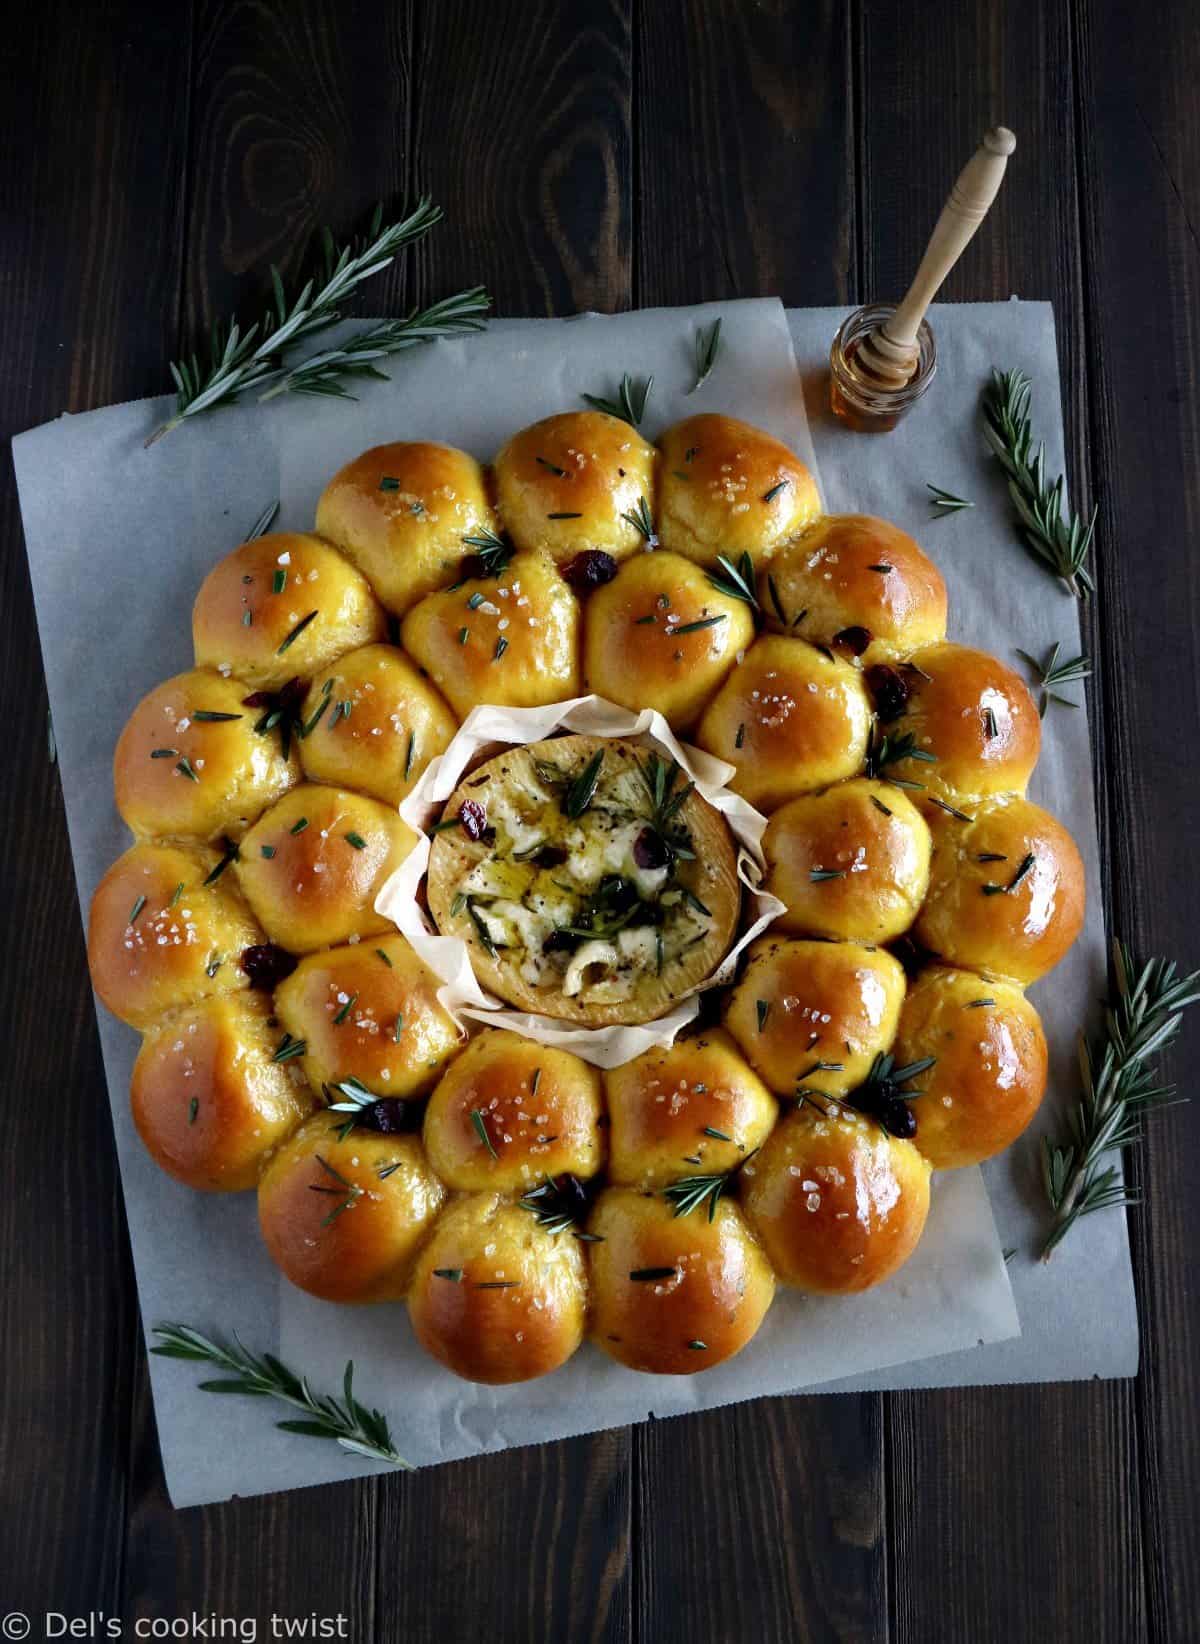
{"x": 891, "y": 353}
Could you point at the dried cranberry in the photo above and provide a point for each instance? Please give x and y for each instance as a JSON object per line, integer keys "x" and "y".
{"x": 266, "y": 965}
{"x": 574, "y": 1193}
{"x": 471, "y": 568}
{"x": 550, "y": 856}
{"x": 910, "y": 954}
{"x": 889, "y": 689}
{"x": 257, "y": 699}
{"x": 650, "y": 849}
{"x": 473, "y": 818}
{"x": 855, "y": 640}
{"x": 390, "y": 1116}
{"x": 590, "y": 569}
{"x": 898, "y": 1119}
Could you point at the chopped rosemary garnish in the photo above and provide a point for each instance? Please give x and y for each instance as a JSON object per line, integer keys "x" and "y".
{"x": 288, "y": 1049}
{"x": 291, "y": 638}
{"x": 384, "y": 957}
{"x": 410, "y": 753}
{"x": 193, "y": 1109}
{"x": 484, "y": 934}
{"x": 501, "y": 647}
{"x": 357, "y": 840}
{"x": 735, "y": 581}
{"x": 481, "y": 1130}
{"x": 694, "y": 627}
{"x": 950, "y": 810}
{"x": 645, "y": 1275}
{"x": 639, "y": 517}
{"x": 214, "y": 873}
{"x": 1025, "y": 868}
{"x": 452, "y": 1274}
{"x": 708, "y": 342}
{"x": 561, "y": 515}
{"x": 741, "y": 735}
{"x": 176, "y": 894}
{"x": 345, "y": 1010}
{"x": 279, "y": 581}
{"x": 780, "y": 485}
{"x": 387, "y": 483}
{"x": 207, "y": 716}
{"x": 552, "y": 466}
{"x": 817, "y": 876}
{"x": 463, "y": 635}
{"x": 268, "y": 851}
{"x": 164, "y": 753}
{"x": 880, "y": 806}
{"x": 630, "y": 403}
{"x": 775, "y": 600}
{"x": 184, "y": 767}
{"x": 581, "y": 790}
{"x": 887, "y": 750}
{"x": 881, "y": 568}
{"x": 978, "y": 1004}
{"x": 136, "y": 909}
{"x": 763, "y": 1010}
{"x": 299, "y": 825}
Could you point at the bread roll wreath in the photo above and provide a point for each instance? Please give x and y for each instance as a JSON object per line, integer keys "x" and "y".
{"x": 518, "y": 1199}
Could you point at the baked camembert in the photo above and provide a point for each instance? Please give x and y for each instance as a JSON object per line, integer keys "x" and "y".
{"x": 589, "y": 878}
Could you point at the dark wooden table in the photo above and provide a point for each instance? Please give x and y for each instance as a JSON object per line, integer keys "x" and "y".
{"x": 605, "y": 154}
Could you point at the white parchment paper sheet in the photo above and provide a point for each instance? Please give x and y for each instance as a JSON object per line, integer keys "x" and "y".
{"x": 119, "y": 540}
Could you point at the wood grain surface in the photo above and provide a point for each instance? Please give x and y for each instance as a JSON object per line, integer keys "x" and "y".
{"x": 605, "y": 153}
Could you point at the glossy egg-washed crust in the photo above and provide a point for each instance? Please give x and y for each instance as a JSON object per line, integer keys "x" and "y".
{"x": 239, "y": 932}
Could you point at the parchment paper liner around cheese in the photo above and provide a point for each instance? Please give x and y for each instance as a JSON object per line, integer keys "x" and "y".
{"x": 449, "y": 957}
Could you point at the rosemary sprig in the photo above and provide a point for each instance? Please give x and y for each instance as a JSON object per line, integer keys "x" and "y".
{"x": 945, "y": 502}
{"x": 708, "y": 344}
{"x": 240, "y": 361}
{"x": 581, "y": 789}
{"x": 1052, "y": 672}
{"x": 1060, "y": 546}
{"x": 885, "y": 750}
{"x": 630, "y": 403}
{"x": 1118, "y": 1089}
{"x": 559, "y": 1205}
{"x": 359, "y": 1431}
{"x": 325, "y": 372}
{"x": 642, "y": 521}
{"x": 693, "y": 1192}
{"x": 735, "y": 581}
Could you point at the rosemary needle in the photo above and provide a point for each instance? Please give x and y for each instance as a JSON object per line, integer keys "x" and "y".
{"x": 630, "y": 402}
{"x": 945, "y": 502}
{"x": 708, "y": 343}
{"x": 1051, "y": 673}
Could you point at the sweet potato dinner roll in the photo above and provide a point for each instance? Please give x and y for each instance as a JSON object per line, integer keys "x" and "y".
{"x": 166, "y": 929}
{"x": 509, "y": 1112}
{"x": 312, "y": 866}
{"x": 858, "y": 584}
{"x": 851, "y": 863}
{"x": 280, "y": 608}
{"x": 511, "y": 639}
{"x": 373, "y": 722}
{"x": 588, "y": 879}
{"x": 574, "y": 483}
{"x": 673, "y": 1293}
{"x": 684, "y": 1108}
{"x": 495, "y": 1296}
{"x": 790, "y": 718}
{"x": 970, "y": 712}
{"x": 838, "y": 1204}
{"x": 343, "y": 1213}
{"x": 368, "y": 1012}
{"x": 989, "y": 1072}
{"x": 726, "y": 488}
{"x": 815, "y": 1014}
{"x": 661, "y": 636}
{"x": 189, "y": 763}
{"x": 210, "y": 1101}
{"x": 1006, "y": 890}
{"x": 402, "y": 514}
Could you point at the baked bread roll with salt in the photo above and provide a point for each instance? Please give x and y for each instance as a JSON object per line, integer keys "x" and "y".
{"x": 403, "y": 514}
{"x": 837, "y": 1203}
{"x": 209, "y": 1100}
{"x": 495, "y": 1297}
{"x": 566, "y": 486}
{"x": 858, "y": 584}
{"x": 370, "y": 1013}
{"x": 510, "y": 1112}
{"x": 511, "y": 639}
{"x": 726, "y": 489}
{"x": 815, "y": 1014}
{"x": 684, "y": 1108}
{"x": 166, "y": 929}
{"x": 989, "y": 1072}
{"x": 280, "y": 608}
{"x": 851, "y": 863}
{"x": 312, "y": 866}
{"x": 790, "y": 718}
{"x": 586, "y": 877}
{"x": 1006, "y": 890}
{"x": 661, "y": 636}
{"x": 343, "y": 1216}
{"x": 673, "y": 1294}
{"x": 373, "y": 722}
{"x": 190, "y": 765}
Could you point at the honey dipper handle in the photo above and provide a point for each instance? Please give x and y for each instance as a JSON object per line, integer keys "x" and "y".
{"x": 977, "y": 186}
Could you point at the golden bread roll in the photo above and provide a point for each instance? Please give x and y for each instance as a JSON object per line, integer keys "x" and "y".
{"x": 726, "y": 488}
{"x": 989, "y": 1072}
{"x": 496, "y": 1297}
{"x": 858, "y": 584}
{"x": 209, "y": 1100}
{"x": 312, "y": 866}
{"x": 510, "y": 1111}
{"x": 511, "y": 639}
{"x": 851, "y": 863}
{"x": 660, "y": 636}
{"x": 566, "y": 485}
{"x": 343, "y": 1215}
{"x": 373, "y": 722}
{"x": 975, "y": 717}
{"x": 579, "y": 896}
{"x": 1006, "y": 890}
{"x": 280, "y": 608}
{"x": 368, "y": 1012}
{"x": 189, "y": 763}
{"x": 673, "y": 1294}
{"x": 402, "y": 514}
{"x": 790, "y": 718}
{"x": 815, "y": 1015}
{"x": 167, "y": 928}
{"x": 683, "y": 1108}
{"x": 838, "y": 1204}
